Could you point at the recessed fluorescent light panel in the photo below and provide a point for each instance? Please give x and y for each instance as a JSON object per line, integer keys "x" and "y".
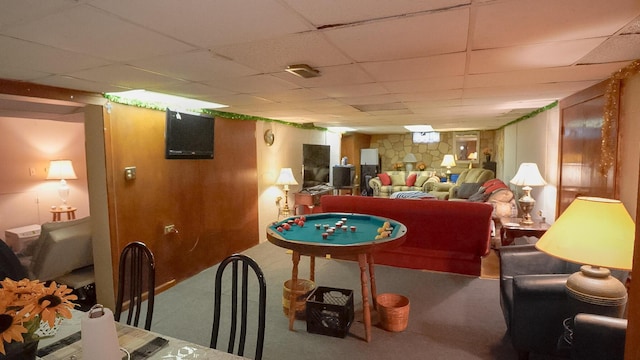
{"x": 419, "y": 128}
{"x": 340, "y": 129}
{"x": 166, "y": 100}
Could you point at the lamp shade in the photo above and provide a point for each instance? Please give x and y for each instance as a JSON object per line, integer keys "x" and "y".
{"x": 473, "y": 156}
{"x": 60, "y": 170}
{"x": 528, "y": 175}
{"x": 593, "y": 231}
{"x": 448, "y": 161}
{"x": 286, "y": 177}
{"x": 409, "y": 158}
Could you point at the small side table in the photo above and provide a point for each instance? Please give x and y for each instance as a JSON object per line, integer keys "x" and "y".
{"x": 510, "y": 228}
{"x": 57, "y": 213}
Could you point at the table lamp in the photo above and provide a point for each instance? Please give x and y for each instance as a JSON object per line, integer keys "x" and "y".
{"x": 527, "y": 176}
{"x": 285, "y": 179}
{"x": 448, "y": 161}
{"x": 599, "y": 233}
{"x": 473, "y": 156}
{"x": 408, "y": 161}
{"x": 62, "y": 170}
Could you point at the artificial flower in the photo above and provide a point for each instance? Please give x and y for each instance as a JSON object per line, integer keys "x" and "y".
{"x": 25, "y": 303}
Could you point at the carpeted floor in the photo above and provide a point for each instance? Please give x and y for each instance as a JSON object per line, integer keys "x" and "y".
{"x": 451, "y": 316}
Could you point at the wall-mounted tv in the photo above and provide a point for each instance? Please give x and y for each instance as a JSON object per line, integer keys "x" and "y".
{"x": 316, "y": 161}
{"x": 188, "y": 135}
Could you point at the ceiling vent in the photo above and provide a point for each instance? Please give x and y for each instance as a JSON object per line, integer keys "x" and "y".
{"x": 302, "y": 70}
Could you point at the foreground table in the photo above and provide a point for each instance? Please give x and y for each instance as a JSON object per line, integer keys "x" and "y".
{"x": 308, "y": 240}
{"x": 66, "y": 344}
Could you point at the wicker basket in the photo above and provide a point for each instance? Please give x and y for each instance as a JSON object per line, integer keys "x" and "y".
{"x": 394, "y": 311}
{"x": 302, "y": 289}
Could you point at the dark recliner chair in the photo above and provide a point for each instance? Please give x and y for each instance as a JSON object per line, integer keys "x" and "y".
{"x": 534, "y": 300}
{"x": 597, "y": 337}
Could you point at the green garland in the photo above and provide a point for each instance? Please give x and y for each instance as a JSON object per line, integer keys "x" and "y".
{"x": 531, "y": 114}
{"x": 224, "y": 114}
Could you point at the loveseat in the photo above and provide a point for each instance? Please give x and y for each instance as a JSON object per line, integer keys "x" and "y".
{"x": 446, "y": 236}
{"x": 63, "y": 252}
{"x": 389, "y": 182}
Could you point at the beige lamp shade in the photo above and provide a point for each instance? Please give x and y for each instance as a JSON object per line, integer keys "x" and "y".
{"x": 593, "y": 231}
{"x": 286, "y": 177}
{"x": 448, "y": 161}
{"x": 528, "y": 175}
{"x": 61, "y": 169}
{"x": 409, "y": 158}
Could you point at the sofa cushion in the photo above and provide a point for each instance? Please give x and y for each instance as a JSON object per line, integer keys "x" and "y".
{"x": 384, "y": 179}
{"x": 411, "y": 179}
{"x": 397, "y": 179}
{"x": 421, "y": 180}
{"x": 467, "y": 189}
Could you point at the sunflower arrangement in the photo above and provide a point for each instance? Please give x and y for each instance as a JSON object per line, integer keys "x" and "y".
{"x": 25, "y": 304}
{"x": 421, "y": 166}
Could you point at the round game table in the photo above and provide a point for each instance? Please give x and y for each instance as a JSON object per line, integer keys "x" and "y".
{"x": 361, "y": 241}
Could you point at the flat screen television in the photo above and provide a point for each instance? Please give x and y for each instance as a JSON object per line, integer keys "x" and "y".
{"x": 188, "y": 135}
{"x": 316, "y": 161}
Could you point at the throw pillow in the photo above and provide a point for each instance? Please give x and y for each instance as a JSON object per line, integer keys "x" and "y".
{"x": 421, "y": 180}
{"x": 397, "y": 180}
{"x": 411, "y": 179}
{"x": 467, "y": 189}
{"x": 479, "y": 195}
{"x": 385, "y": 179}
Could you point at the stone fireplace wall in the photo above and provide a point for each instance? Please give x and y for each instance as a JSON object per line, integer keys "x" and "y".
{"x": 393, "y": 147}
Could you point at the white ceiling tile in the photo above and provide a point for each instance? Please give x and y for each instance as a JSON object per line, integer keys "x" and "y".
{"x": 418, "y": 68}
{"x": 423, "y": 85}
{"x": 563, "y": 53}
{"x": 545, "y": 75}
{"x": 620, "y": 48}
{"x": 417, "y": 36}
{"x": 276, "y": 54}
{"x": 86, "y": 30}
{"x": 332, "y": 12}
{"x": 210, "y": 23}
{"x": 123, "y": 75}
{"x": 420, "y": 56}
{"x": 352, "y": 90}
{"x": 202, "y": 66}
{"x": 330, "y": 76}
{"x": 510, "y": 23}
{"x": 253, "y": 84}
{"x": 44, "y": 58}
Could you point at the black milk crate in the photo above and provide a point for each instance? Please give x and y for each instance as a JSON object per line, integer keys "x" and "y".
{"x": 329, "y": 311}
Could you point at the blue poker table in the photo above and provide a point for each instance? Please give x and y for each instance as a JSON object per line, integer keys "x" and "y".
{"x": 371, "y": 234}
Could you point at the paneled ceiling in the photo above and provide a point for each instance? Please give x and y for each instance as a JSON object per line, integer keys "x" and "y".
{"x": 452, "y": 64}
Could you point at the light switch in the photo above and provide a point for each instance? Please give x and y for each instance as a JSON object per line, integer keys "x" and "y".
{"x": 130, "y": 173}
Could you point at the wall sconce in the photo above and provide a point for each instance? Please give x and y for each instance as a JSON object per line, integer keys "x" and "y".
{"x": 285, "y": 179}
{"x": 62, "y": 170}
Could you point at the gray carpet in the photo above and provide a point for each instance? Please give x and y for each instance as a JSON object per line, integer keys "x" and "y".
{"x": 451, "y": 316}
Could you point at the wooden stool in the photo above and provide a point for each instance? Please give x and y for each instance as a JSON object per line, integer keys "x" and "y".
{"x": 57, "y": 213}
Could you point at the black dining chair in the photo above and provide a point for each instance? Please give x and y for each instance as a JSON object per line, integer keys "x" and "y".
{"x": 136, "y": 280}
{"x": 244, "y": 263}
{"x": 10, "y": 266}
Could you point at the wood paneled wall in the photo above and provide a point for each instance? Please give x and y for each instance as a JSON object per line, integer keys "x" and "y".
{"x": 212, "y": 203}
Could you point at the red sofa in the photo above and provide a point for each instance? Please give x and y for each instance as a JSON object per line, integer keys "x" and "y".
{"x": 448, "y": 236}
